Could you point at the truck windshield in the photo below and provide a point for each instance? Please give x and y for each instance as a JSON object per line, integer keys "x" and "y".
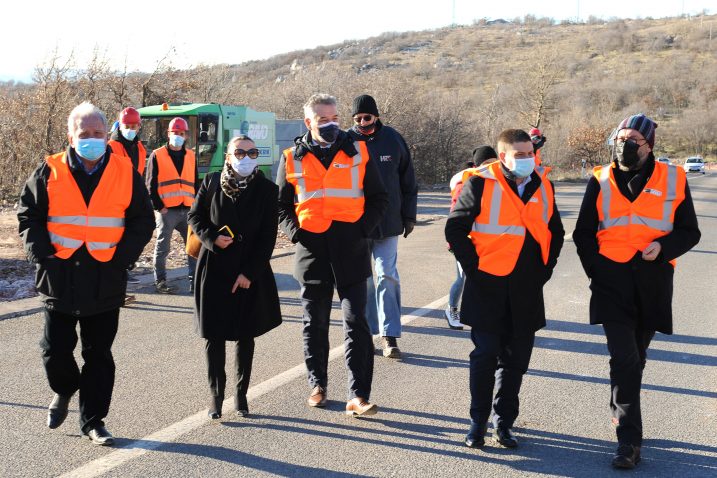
{"x": 154, "y": 132}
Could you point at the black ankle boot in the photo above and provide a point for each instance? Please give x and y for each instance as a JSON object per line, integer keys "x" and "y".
{"x": 215, "y": 407}
{"x": 242, "y": 407}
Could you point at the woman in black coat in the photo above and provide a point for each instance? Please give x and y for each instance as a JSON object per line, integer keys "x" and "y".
{"x": 235, "y": 217}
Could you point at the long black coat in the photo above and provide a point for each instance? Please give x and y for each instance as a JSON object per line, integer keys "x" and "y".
{"x": 81, "y": 285}
{"x": 219, "y": 314}
{"x": 511, "y": 304}
{"x": 636, "y": 292}
{"x": 341, "y": 254}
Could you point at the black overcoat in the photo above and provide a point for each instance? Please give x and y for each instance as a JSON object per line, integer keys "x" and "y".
{"x": 341, "y": 254}
{"x": 637, "y": 292}
{"x": 511, "y": 304}
{"x": 252, "y": 217}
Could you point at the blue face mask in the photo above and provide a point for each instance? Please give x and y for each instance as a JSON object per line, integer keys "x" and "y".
{"x": 130, "y": 134}
{"x": 175, "y": 141}
{"x": 523, "y": 167}
{"x": 91, "y": 149}
{"x": 329, "y": 132}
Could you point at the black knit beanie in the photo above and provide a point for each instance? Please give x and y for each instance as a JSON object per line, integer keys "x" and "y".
{"x": 364, "y": 104}
{"x": 482, "y": 153}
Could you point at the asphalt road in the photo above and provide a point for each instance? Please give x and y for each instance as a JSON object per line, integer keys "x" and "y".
{"x": 158, "y": 412}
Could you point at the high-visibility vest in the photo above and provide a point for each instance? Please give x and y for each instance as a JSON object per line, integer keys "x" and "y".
{"x": 625, "y": 227}
{"x": 173, "y": 189}
{"x": 119, "y": 149}
{"x": 72, "y": 223}
{"x": 498, "y": 232}
{"x": 324, "y": 195}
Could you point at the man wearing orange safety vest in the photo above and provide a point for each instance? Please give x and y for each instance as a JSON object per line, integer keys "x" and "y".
{"x": 84, "y": 217}
{"x": 636, "y": 218}
{"x": 506, "y": 232}
{"x": 331, "y": 197}
{"x": 124, "y": 141}
{"x": 172, "y": 180}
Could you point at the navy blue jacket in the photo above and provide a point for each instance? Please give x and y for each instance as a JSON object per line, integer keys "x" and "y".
{"x": 389, "y": 151}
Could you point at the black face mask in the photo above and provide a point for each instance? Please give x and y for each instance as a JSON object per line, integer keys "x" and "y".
{"x": 329, "y": 132}
{"x": 366, "y": 130}
{"x": 625, "y": 152}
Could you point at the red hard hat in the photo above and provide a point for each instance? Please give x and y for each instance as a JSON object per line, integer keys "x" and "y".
{"x": 178, "y": 124}
{"x": 129, "y": 115}
{"x": 535, "y": 132}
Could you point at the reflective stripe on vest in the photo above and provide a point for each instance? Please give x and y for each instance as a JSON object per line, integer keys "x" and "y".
{"x": 355, "y": 192}
{"x": 664, "y": 224}
{"x": 99, "y": 225}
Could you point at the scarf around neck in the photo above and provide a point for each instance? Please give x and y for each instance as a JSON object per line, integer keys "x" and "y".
{"x": 233, "y": 184}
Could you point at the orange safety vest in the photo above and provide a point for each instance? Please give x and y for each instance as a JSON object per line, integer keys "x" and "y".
{"x": 118, "y": 149}
{"x": 173, "y": 189}
{"x": 625, "y": 227}
{"x": 324, "y": 195}
{"x": 72, "y": 223}
{"x": 498, "y": 232}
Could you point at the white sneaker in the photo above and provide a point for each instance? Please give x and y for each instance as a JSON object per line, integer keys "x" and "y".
{"x": 453, "y": 318}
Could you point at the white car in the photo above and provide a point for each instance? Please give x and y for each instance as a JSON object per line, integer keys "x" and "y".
{"x": 694, "y": 164}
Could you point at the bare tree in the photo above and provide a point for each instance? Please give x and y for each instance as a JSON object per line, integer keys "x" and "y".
{"x": 536, "y": 87}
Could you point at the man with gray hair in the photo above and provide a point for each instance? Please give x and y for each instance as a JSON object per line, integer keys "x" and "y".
{"x": 84, "y": 217}
{"x": 330, "y": 199}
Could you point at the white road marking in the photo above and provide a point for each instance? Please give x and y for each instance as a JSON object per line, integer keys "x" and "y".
{"x": 137, "y": 448}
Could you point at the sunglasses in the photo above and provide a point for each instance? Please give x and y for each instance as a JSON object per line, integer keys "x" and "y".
{"x": 358, "y": 119}
{"x": 253, "y": 153}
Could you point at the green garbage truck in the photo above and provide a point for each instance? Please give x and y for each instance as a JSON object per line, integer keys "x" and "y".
{"x": 211, "y": 126}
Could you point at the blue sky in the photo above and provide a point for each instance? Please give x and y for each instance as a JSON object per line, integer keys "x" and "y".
{"x": 224, "y": 31}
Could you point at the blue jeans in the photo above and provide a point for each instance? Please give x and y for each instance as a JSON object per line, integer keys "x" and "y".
{"x": 383, "y": 308}
{"x": 175, "y": 219}
{"x": 457, "y": 288}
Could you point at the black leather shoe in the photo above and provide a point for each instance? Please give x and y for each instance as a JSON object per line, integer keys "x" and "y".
{"x": 476, "y": 436}
{"x": 241, "y": 405}
{"x": 57, "y": 411}
{"x": 215, "y": 408}
{"x": 505, "y": 437}
{"x": 100, "y": 436}
{"x": 626, "y": 456}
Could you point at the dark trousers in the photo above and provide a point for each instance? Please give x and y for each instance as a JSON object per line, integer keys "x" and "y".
{"x": 358, "y": 343}
{"x": 96, "y": 380}
{"x": 216, "y": 358}
{"x": 497, "y": 360}
{"x": 628, "y": 353}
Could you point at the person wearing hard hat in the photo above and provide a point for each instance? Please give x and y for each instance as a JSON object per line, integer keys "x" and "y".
{"x": 84, "y": 216}
{"x": 124, "y": 141}
{"x": 636, "y": 219}
{"x": 538, "y": 139}
{"x": 172, "y": 180}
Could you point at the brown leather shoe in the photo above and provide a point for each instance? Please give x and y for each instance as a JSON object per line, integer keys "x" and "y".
{"x": 359, "y": 407}
{"x": 317, "y": 397}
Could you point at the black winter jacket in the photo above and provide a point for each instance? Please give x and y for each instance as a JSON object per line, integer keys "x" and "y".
{"x": 390, "y": 152}
{"x": 81, "y": 285}
{"x": 636, "y": 292}
{"x": 252, "y": 217}
{"x": 511, "y": 304}
{"x": 341, "y": 254}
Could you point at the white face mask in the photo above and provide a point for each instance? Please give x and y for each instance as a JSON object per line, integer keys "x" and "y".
{"x": 244, "y": 166}
{"x": 130, "y": 134}
{"x": 175, "y": 141}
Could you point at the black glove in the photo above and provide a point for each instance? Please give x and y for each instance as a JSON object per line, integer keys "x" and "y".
{"x": 408, "y": 226}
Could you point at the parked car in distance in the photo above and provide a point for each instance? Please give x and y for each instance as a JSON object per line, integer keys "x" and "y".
{"x": 694, "y": 164}
{"x": 663, "y": 159}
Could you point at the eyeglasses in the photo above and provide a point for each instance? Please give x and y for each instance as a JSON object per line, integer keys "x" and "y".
{"x": 253, "y": 153}
{"x": 367, "y": 118}
{"x": 639, "y": 143}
